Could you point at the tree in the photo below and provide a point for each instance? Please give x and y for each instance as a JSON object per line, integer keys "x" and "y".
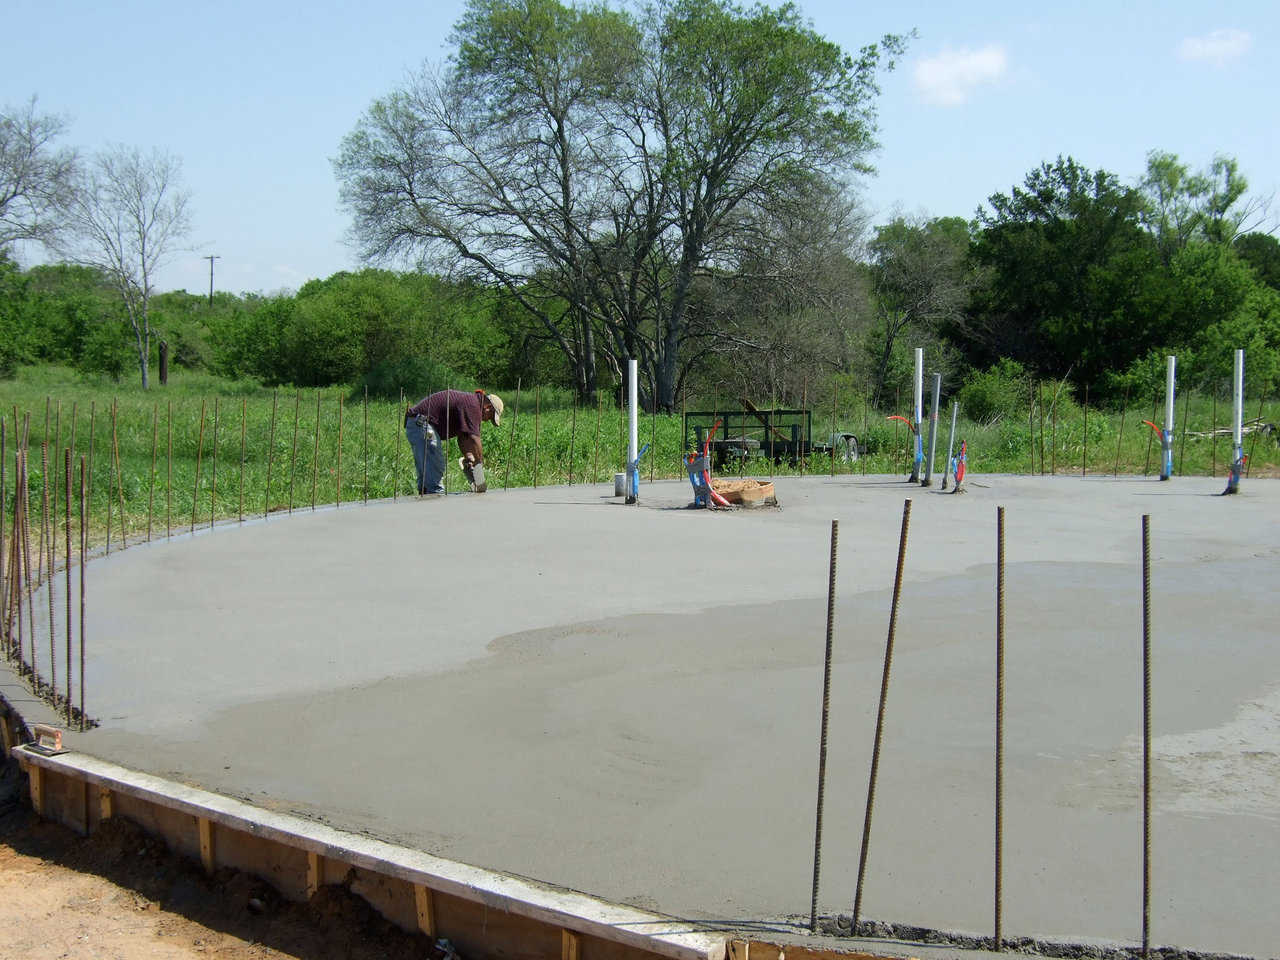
{"x": 920, "y": 280}
{"x": 595, "y": 164}
{"x": 1211, "y": 205}
{"x": 1262, "y": 252}
{"x": 1072, "y": 281}
{"x": 127, "y": 218}
{"x": 37, "y": 179}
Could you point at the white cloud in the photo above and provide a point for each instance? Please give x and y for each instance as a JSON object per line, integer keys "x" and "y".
{"x": 1216, "y": 47}
{"x": 951, "y": 77}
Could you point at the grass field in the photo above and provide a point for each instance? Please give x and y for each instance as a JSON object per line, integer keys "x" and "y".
{"x": 205, "y": 449}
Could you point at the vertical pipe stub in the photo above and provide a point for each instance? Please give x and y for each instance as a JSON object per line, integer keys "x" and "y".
{"x": 1237, "y": 426}
{"x": 917, "y": 415}
{"x": 633, "y": 433}
{"x": 933, "y": 431}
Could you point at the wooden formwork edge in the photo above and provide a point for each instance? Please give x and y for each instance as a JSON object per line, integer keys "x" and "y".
{"x": 571, "y": 911}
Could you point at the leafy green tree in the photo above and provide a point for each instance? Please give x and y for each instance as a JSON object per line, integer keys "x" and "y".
{"x": 1180, "y": 205}
{"x": 1071, "y": 281}
{"x": 596, "y": 164}
{"x": 1261, "y": 251}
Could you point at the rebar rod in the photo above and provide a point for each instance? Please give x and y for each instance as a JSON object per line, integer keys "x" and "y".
{"x": 110, "y": 481}
{"x": 56, "y": 446}
{"x": 511, "y": 441}
{"x": 84, "y": 540}
{"x": 1040, "y": 401}
{"x": 999, "y": 864}
{"x": 1146, "y": 736}
{"x": 168, "y": 483}
{"x": 26, "y": 550}
{"x": 862, "y": 453}
{"x": 884, "y": 694}
{"x": 213, "y": 467}
{"x": 653, "y": 435}
{"x": 537, "y": 411}
{"x": 46, "y": 518}
{"x": 1053, "y": 436}
{"x": 1253, "y": 443}
{"x": 444, "y": 441}
{"x": 244, "y": 414}
{"x": 364, "y": 444}
{"x": 806, "y": 438}
{"x": 822, "y": 740}
{"x": 151, "y": 483}
{"x": 1124, "y": 409}
{"x": 271, "y": 450}
{"x": 195, "y": 492}
{"x": 1182, "y": 446}
{"x": 1155, "y": 407}
{"x": 835, "y": 399}
{"x": 395, "y": 456}
{"x": 1084, "y": 457}
{"x": 115, "y": 456}
{"x": 4, "y": 509}
{"x": 67, "y": 564}
{"x": 338, "y": 487}
{"x": 93, "y": 415}
{"x": 1213, "y": 432}
{"x": 573, "y": 437}
{"x": 315, "y": 455}
{"x": 595, "y": 462}
{"x": 293, "y": 455}
{"x": 1031, "y": 425}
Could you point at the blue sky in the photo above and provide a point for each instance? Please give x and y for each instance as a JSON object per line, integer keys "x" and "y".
{"x": 255, "y": 97}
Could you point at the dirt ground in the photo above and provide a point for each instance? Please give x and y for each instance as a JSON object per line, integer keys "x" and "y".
{"x": 122, "y": 894}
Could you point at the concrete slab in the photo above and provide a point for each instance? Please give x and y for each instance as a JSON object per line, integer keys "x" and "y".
{"x": 624, "y": 700}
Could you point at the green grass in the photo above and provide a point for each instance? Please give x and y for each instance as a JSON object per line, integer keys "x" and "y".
{"x": 543, "y": 440}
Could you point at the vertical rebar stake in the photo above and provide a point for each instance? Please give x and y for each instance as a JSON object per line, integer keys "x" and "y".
{"x": 1182, "y": 447}
{"x": 364, "y": 444}
{"x": 862, "y": 454}
{"x": 84, "y": 539}
{"x": 115, "y": 456}
{"x": 835, "y": 399}
{"x": 315, "y": 454}
{"x": 4, "y": 506}
{"x": 595, "y": 462}
{"x": 1253, "y": 443}
{"x": 537, "y": 411}
{"x": 511, "y": 439}
{"x": 93, "y": 415}
{"x": 1214, "y": 431}
{"x": 1124, "y": 409}
{"x": 67, "y": 564}
{"x": 444, "y": 441}
{"x": 168, "y": 483}
{"x": 26, "y": 551}
{"x": 338, "y": 488}
{"x": 884, "y": 694}
{"x": 573, "y": 438}
{"x": 999, "y": 865}
{"x": 271, "y": 450}
{"x": 110, "y": 480}
{"x": 293, "y": 455}
{"x": 244, "y": 414}
{"x": 1146, "y": 736}
{"x": 1031, "y": 426}
{"x": 46, "y": 521}
{"x": 1053, "y": 435}
{"x": 1040, "y": 401}
{"x": 213, "y": 467}
{"x": 151, "y": 483}
{"x": 822, "y": 740}
{"x": 395, "y": 456}
{"x": 1155, "y": 407}
{"x": 1084, "y": 457}
{"x": 195, "y": 491}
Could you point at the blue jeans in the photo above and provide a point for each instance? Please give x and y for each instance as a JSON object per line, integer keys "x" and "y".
{"x": 428, "y": 454}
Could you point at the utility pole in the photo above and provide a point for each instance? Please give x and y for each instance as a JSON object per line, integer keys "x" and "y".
{"x": 211, "y": 258}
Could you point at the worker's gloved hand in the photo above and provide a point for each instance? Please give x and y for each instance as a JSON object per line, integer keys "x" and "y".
{"x": 474, "y": 473}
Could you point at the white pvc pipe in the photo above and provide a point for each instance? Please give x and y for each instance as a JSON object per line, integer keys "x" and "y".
{"x": 633, "y": 434}
{"x": 919, "y": 386}
{"x": 1237, "y": 433}
{"x": 1168, "y": 397}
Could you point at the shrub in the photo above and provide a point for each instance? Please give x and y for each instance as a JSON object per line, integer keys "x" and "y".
{"x": 1000, "y": 391}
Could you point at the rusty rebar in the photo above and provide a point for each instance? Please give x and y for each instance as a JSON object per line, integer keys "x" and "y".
{"x": 57, "y": 445}
{"x": 595, "y": 462}
{"x": 213, "y": 467}
{"x": 1031, "y": 425}
{"x": 1182, "y": 447}
{"x": 511, "y": 439}
{"x": 1053, "y": 434}
{"x": 84, "y": 540}
{"x": 395, "y": 464}
{"x": 168, "y": 481}
{"x": 653, "y": 431}
{"x": 93, "y": 415}
{"x": 1084, "y": 457}
{"x": 1253, "y": 443}
{"x": 1213, "y": 432}
{"x": 1155, "y": 407}
{"x": 1040, "y": 402}
{"x": 884, "y": 694}
{"x": 573, "y": 438}
{"x": 293, "y": 455}
{"x": 537, "y": 410}
{"x": 67, "y": 564}
{"x": 26, "y": 551}
{"x": 244, "y": 414}
{"x": 1146, "y": 736}
{"x": 1124, "y": 410}
{"x": 46, "y": 519}
{"x": 822, "y": 739}
{"x": 111, "y": 483}
{"x": 862, "y": 454}
{"x": 151, "y": 483}
{"x": 835, "y": 399}
{"x": 444, "y": 441}
{"x": 4, "y": 560}
{"x": 338, "y": 488}
{"x": 195, "y": 493}
{"x": 115, "y": 455}
{"x": 271, "y": 450}
{"x": 364, "y": 444}
{"x": 315, "y": 455}
{"x": 999, "y": 864}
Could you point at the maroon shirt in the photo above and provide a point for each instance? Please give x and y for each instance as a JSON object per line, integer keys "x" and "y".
{"x": 463, "y": 410}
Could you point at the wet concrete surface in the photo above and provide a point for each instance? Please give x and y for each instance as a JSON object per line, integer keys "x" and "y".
{"x": 625, "y": 700}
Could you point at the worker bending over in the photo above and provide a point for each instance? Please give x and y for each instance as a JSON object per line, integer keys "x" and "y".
{"x": 430, "y": 424}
